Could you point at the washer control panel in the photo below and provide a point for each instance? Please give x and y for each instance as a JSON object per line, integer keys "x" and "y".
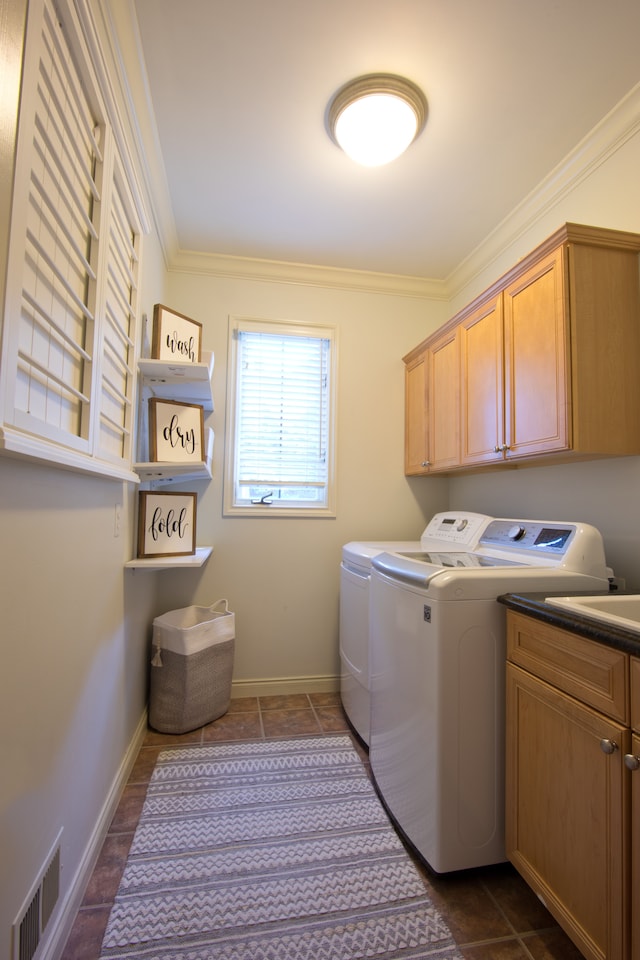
{"x": 530, "y": 535}
{"x": 463, "y": 529}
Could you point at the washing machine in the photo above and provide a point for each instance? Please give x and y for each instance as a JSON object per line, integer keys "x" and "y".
{"x": 455, "y": 529}
{"x": 437, "y": 677}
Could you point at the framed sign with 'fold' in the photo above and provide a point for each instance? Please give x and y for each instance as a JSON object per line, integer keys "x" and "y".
{"x": 166, "y": 524}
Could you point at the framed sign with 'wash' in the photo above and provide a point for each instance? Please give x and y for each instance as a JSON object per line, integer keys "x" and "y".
{"x": 166, "y": 524}
{"x": 175, "y": 337}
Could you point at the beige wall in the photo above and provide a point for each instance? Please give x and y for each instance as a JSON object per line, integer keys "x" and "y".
{"x": 281, "y": 575}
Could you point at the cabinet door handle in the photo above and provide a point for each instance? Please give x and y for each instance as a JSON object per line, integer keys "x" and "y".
{"x": 505, "y": 447}
{"x": 631, "y": 762}
{"x": 426, "y": 463}
{"x": 608, "y": 746}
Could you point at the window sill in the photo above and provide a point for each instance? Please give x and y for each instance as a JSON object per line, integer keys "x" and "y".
{"x": 319, "y": 513}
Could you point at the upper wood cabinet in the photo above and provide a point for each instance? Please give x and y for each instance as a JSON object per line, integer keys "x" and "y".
{"x": 416, "y": 405}
{"x": 482, "y": 383}
{"x": 549, "y": 358}
{"x": 444, "y": 401}
{"x": 536, "y": 348}
{"x": 514, "y": 380}
{"x": 432, "y": 403}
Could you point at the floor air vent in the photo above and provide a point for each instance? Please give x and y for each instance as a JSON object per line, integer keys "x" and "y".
{"x": 38, "y": 907}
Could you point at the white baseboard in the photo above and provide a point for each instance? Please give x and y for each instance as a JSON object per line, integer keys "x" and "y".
{"x": 283, "y": 686}
{"x": 56, "y": 936}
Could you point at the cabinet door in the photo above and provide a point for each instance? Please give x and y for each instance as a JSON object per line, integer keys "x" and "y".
{"x": 635, "y": 693}
{"x": 416, "y": 416}
{"x": 537, "y": 386}
{"x": 635, "y": 807}
{"x": 482, "y": 384}
{"x": 444, "y": 402}
{"x": 567, "y": 811}
{"x": 635, "y": 849}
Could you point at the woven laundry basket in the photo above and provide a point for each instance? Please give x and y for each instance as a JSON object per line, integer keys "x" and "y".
{"x": 191, "y": 667}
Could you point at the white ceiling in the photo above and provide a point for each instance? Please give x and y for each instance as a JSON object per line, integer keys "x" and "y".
{"x": 240, "y": 89}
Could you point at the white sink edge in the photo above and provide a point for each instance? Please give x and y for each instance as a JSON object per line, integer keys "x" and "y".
{"x": 581, "y": 607}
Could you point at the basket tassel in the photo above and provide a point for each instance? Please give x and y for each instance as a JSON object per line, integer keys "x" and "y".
{"x": 157, "y": 658}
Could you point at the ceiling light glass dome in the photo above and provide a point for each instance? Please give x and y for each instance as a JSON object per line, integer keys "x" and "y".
{"x": 375, "y": 118}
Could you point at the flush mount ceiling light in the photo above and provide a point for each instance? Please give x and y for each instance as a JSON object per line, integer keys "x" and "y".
{"x": 375, "y": 118}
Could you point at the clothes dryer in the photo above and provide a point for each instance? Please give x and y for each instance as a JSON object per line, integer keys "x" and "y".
{"x": 457, "y": 529}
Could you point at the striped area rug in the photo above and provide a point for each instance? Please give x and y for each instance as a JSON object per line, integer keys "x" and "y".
{"x": 272, "y": 850}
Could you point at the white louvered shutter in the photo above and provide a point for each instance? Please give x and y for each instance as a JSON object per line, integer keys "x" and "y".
{"x": 69, "y": 343}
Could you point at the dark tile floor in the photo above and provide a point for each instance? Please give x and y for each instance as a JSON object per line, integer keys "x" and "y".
{"x": 491, "y": 912}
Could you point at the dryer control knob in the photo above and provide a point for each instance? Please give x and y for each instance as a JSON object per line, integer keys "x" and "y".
{"x": 516, "y": 532}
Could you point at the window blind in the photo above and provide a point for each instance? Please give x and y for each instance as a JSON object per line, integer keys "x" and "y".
{"x": 282, "y": 416}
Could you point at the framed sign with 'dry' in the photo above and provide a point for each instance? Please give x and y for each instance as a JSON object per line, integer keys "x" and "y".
{"x": 175, "y": 337}
{"x": 176, "y": 431}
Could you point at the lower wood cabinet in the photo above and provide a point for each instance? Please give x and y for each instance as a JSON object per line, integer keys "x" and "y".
{"x": 633, "y": 765}
{"x": 568, "y": 787}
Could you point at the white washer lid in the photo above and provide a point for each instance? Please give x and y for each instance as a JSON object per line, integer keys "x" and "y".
{"x": 360, "y": 553}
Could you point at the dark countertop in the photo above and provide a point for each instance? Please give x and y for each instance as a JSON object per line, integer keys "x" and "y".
{"x": 533, "y": 605}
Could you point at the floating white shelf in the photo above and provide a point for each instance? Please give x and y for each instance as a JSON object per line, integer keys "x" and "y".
{"x": 171, "y": 471}
{"x": 188, "y": 382}
{"x": 200, "y": 557}
{"x": 166, "y": 472}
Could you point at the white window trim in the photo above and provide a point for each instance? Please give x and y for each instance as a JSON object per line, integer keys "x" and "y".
{"x": 293, "y": 328}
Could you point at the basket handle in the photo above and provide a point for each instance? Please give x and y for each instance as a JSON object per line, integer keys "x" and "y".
{"x": 220, "y": 606}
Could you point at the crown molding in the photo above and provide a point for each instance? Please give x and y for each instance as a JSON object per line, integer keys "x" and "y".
{"x": 602, "y": 142}
{"x": 337, "y": 278}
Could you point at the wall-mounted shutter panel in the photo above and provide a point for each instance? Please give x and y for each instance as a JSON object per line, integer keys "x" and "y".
{"x": 120, "y": 324}
{"x": 69, "y": 347}
{"x": 56, "y": 341}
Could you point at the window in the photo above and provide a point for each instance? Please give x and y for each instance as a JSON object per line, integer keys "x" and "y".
{"x": 280, "y": 419}
{"x": 71, "y": 319}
